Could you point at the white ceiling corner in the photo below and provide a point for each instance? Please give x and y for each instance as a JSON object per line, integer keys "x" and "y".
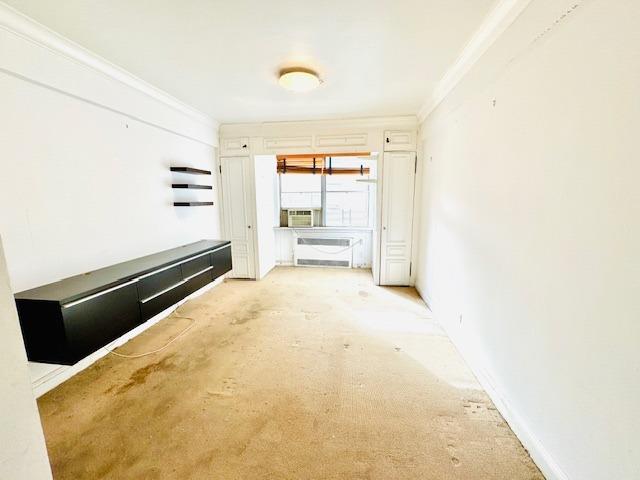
{"x": 503, "y": 14}
{"x": 19, "y": 24}
{"x": 376, "y": 58}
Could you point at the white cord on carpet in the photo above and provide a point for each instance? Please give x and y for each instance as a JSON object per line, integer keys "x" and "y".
{"x": 193, "y": 322}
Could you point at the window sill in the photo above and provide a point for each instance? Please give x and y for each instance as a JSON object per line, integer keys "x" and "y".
{"x": 312, "y": 229}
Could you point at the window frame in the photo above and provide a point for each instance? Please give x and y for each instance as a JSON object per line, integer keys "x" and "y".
{"x": 323, "y": 203}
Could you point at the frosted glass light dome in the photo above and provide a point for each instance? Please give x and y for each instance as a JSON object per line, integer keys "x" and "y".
{"x": 299, "y": 79}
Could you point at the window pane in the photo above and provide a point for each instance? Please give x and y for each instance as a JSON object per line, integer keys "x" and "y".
{"x": 347, "y": 201}
{"x": 300, "y": 191}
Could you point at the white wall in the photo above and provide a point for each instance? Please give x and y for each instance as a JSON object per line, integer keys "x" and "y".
{"x": 86, "y": 150}
{"x": 266, "y": 182}
{"x": 530, "y": 230}
{"x": 23, "y": 452}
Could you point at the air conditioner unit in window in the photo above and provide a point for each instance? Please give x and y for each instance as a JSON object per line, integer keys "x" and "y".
{"x": 300, "y": 218}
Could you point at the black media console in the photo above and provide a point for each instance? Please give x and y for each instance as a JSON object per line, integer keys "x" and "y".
{"x": 65, "y": 321}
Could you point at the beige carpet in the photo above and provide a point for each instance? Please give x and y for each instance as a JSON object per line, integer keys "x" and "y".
{"x": 308, "y": 374}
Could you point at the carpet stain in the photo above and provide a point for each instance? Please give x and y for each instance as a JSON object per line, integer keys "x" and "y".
{"x": 286, "y": 378}
{"x": 141, "y": 374}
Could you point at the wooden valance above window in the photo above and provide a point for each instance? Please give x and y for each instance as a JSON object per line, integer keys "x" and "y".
{"x": 321, "y": 164}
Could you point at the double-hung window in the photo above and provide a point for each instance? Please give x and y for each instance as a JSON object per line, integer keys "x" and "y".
{"x": 300, "y": 191}
{"x": 338, "y": 199}
{"x": 346, "y": 201}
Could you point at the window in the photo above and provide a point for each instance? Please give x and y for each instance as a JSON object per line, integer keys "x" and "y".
{"x": 347, "y": 201}
{"x": 300, "y": 191}
{"x": 339, "y": 200}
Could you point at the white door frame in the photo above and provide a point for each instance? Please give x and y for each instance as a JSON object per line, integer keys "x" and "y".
{"x": 250, "y": 213}
{"x": 380, "y": 233}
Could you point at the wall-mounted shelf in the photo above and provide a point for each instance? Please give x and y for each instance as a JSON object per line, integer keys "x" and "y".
{"x": 194, "y": 171}
{"x": 192, "y": 204}
{"x": 191, "y": 186}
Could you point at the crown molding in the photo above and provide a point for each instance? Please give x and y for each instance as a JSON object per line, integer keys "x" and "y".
{"x": 19, "y": 24}
{"x": 503, "y": 14}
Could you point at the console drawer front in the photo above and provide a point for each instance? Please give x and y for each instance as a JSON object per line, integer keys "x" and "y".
{"x": 150, "y": 307}
{"x": 195, "y": 265}
{"x": 198, "y": 281}
{"x": 154, "y": 283}
{"x": 99, "y": 319}
{"x": 221, "y": 261}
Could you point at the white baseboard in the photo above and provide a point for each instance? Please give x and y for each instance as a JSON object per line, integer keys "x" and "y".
{"x": 47, "y": 376}
{"x": 540, "y": 455}
{"x": 281, "y": 263}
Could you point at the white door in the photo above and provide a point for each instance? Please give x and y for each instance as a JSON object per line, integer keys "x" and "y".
{"x": 398, "y": 178}
{"x": 237, "y": 202}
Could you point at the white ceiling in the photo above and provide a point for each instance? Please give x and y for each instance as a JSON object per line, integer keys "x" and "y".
{"x": 376, "y": 57}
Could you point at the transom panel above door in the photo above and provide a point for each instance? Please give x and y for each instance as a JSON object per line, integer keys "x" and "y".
{"x": 399, "y": 141}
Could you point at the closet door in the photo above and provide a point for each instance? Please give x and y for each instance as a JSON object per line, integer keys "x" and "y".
{"x": 238, "y": 216}
{"x": 398, "y": 179}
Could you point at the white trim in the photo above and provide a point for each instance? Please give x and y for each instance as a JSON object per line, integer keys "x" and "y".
{"x": 162, "y": 292}
{"x": 25, "y": 27}
{"x": 183, "y": 261}
{"x": 539, "y": 454}
{"x": 99, "y": 294}
{"x": 266, "y": 129}
{"x": 198, "y": 273}
{"x": 58, "y": 374}
{"x": 134, "y": 280}
{"x": 494, "y": 24}
{"x": 325, "y": 229}
{"x": 181, "y": 282}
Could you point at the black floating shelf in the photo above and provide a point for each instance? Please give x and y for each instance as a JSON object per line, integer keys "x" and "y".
{"x": 191, "y": 186}
{"x": 195, "y": 171}
{"x": 192, "y": 204}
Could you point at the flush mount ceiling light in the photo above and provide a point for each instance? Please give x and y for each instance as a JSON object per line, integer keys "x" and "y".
{"x": 299, "y": 79}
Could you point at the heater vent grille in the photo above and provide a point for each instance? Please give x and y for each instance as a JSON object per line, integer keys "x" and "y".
{"x": 329, "y": 242}
{"x": 323, "y": 252}
{"x": 323, "y": 263}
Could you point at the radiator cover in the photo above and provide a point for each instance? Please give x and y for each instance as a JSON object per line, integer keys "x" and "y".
{"x": 323, "y": 252}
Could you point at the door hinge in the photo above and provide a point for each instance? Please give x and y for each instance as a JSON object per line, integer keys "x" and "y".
{"x": 410, "y": 267}
{"x": 415, "y": 166}
{"x": 220, "y": 168}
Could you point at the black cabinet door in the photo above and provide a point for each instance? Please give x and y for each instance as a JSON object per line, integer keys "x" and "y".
{"x": 92, "y": 322}
{"x": 195, "y": 266}
{"x": 197, "y": 282}
{"x": 221, "y": 261}
{"x": 152, "y": 306}
{"x": 154, "y": 283}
